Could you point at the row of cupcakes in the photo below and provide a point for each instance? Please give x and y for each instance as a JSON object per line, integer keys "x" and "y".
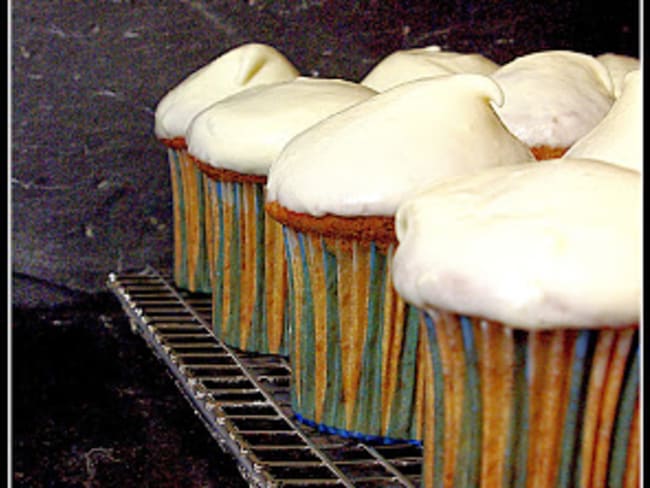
{"x": 285, "y": 196}
{"x": 556, "y": 97}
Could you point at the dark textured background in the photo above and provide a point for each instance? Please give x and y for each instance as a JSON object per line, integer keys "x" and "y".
{"x": 89, "y": 188}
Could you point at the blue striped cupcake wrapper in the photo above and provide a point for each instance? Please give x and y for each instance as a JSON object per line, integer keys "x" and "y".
{"x": 356, "y": 347}
{"x": 508, "y": 407}
{"x": 191, "y": 269}
{"x": 248, "y": 269}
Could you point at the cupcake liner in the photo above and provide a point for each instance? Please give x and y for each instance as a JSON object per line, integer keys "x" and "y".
{"x": 248, "y": 269}
{"x": 508, "y": 407}
{"x": 355, "y": 345}
{"x": 191, "y": 266}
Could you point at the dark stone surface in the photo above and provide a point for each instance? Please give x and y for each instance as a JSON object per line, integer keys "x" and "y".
{"x": 89, "y": 182}
{"x": 90, "y": 190}
{"x": 93, "y": 407}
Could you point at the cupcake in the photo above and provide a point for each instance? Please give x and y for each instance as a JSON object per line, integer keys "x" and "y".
{"x": 618, "y": 66}
{"x": 334, "y": 188}
{"x": 233, "y": 143}
{"x": 618, "y": 138}
{"x": 530, "y": 302}
{"x": 245, "y": 66}
{"x": 425, "y": 62}
{"x": 552, "y": 98}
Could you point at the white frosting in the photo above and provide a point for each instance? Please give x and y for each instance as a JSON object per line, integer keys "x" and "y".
{"x": 411, "y": 64}
{"x": 545, "y": 245}
{"x": 246, "y": 131}
{"x": 618, "y": 138}
{"x": 366, "y": 159}
{"x": 618, "y": 66}
{"x": 242, "y": 67}
{"x": 553, "y": 98}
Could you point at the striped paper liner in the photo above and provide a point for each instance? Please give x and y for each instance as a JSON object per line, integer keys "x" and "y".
{"x": 248, "y": 269}
{"x": 191, "y": 266}
{"x": 514, "y": 408}
{"x": 356, "y": 345}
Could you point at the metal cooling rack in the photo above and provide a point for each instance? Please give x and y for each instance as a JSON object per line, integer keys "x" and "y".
{"x": 243, "y": 398}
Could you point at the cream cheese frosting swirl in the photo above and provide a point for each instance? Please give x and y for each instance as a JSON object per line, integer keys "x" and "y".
{"x": 618, "y": 66}
{"x": 618, "y": 138}
{"x": 536, "y": 246}
{"x": 552, "y": 98}
{"x": 246, "y": 131}
{"x": 366, "y": 159}
{"x": 411, "y": 64}
{"x": 239, "y": 68}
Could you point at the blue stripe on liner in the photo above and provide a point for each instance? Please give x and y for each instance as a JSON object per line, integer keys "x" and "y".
{"x": 624, "y": 417}
{"x": 332, "y": 416}
{"x": 202, "y": 271}
{"x": 259, "y": 339}
{"x": 217, "y": 279}
{"x": 438, "y": 404}
{"x": 595, "y": 336}
{"x": 405, "y": 391}
{"x": 285, "y": 348}
{"x": 517, "y": 445}
{"x": 181, "y": 280}
{"x": 233, "y": 333}
{"x": 290, "y": 310}
{"x": 307, "y": 337}
{"x": 368, "y": 407}
{"x": 349, "y": 434}
{"x": 468, "y": 464}
{"x": 568, "y": 474}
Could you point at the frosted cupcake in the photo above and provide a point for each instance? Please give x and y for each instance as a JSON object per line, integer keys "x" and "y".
{"x": 424, "y": 62}
{"x": 242, "y": 67}
{"x": 618, "y": 66}
{"x": 618, "y": 138}
{"x": 334, "y": 188}
{"x": 531, "y": 304}
{"x": 233, "y": 143}
{"x": 552, "y": 98}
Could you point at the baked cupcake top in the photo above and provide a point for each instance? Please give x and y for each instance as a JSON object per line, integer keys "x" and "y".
{"x": 618, "y": 66}
{"x": 366, "y": 159}
{"x": 412, "y": 64}
{"x": 618, "y": 138}
{"x": 555, "y": 244}
{"x": 242, "y": 67}
{"x": 246, "y": 131}
{"x": 552, "y": 98}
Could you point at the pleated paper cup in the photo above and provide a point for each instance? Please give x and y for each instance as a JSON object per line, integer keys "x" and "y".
{"x": 356, "y": 349}
{"x": 510, "y": 407}
{"x": 247, "y": 264}
{"x": 191, "y": 267}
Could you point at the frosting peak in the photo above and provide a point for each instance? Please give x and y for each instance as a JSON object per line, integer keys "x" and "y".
{"x": 366, "y": 159}
{"x": 411, "y": 64}
{"x": 618, "y": 138}
{"x": 242, "y": 67}
{"x": 552, "y": 98}
{"x": 618, "y": 65}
